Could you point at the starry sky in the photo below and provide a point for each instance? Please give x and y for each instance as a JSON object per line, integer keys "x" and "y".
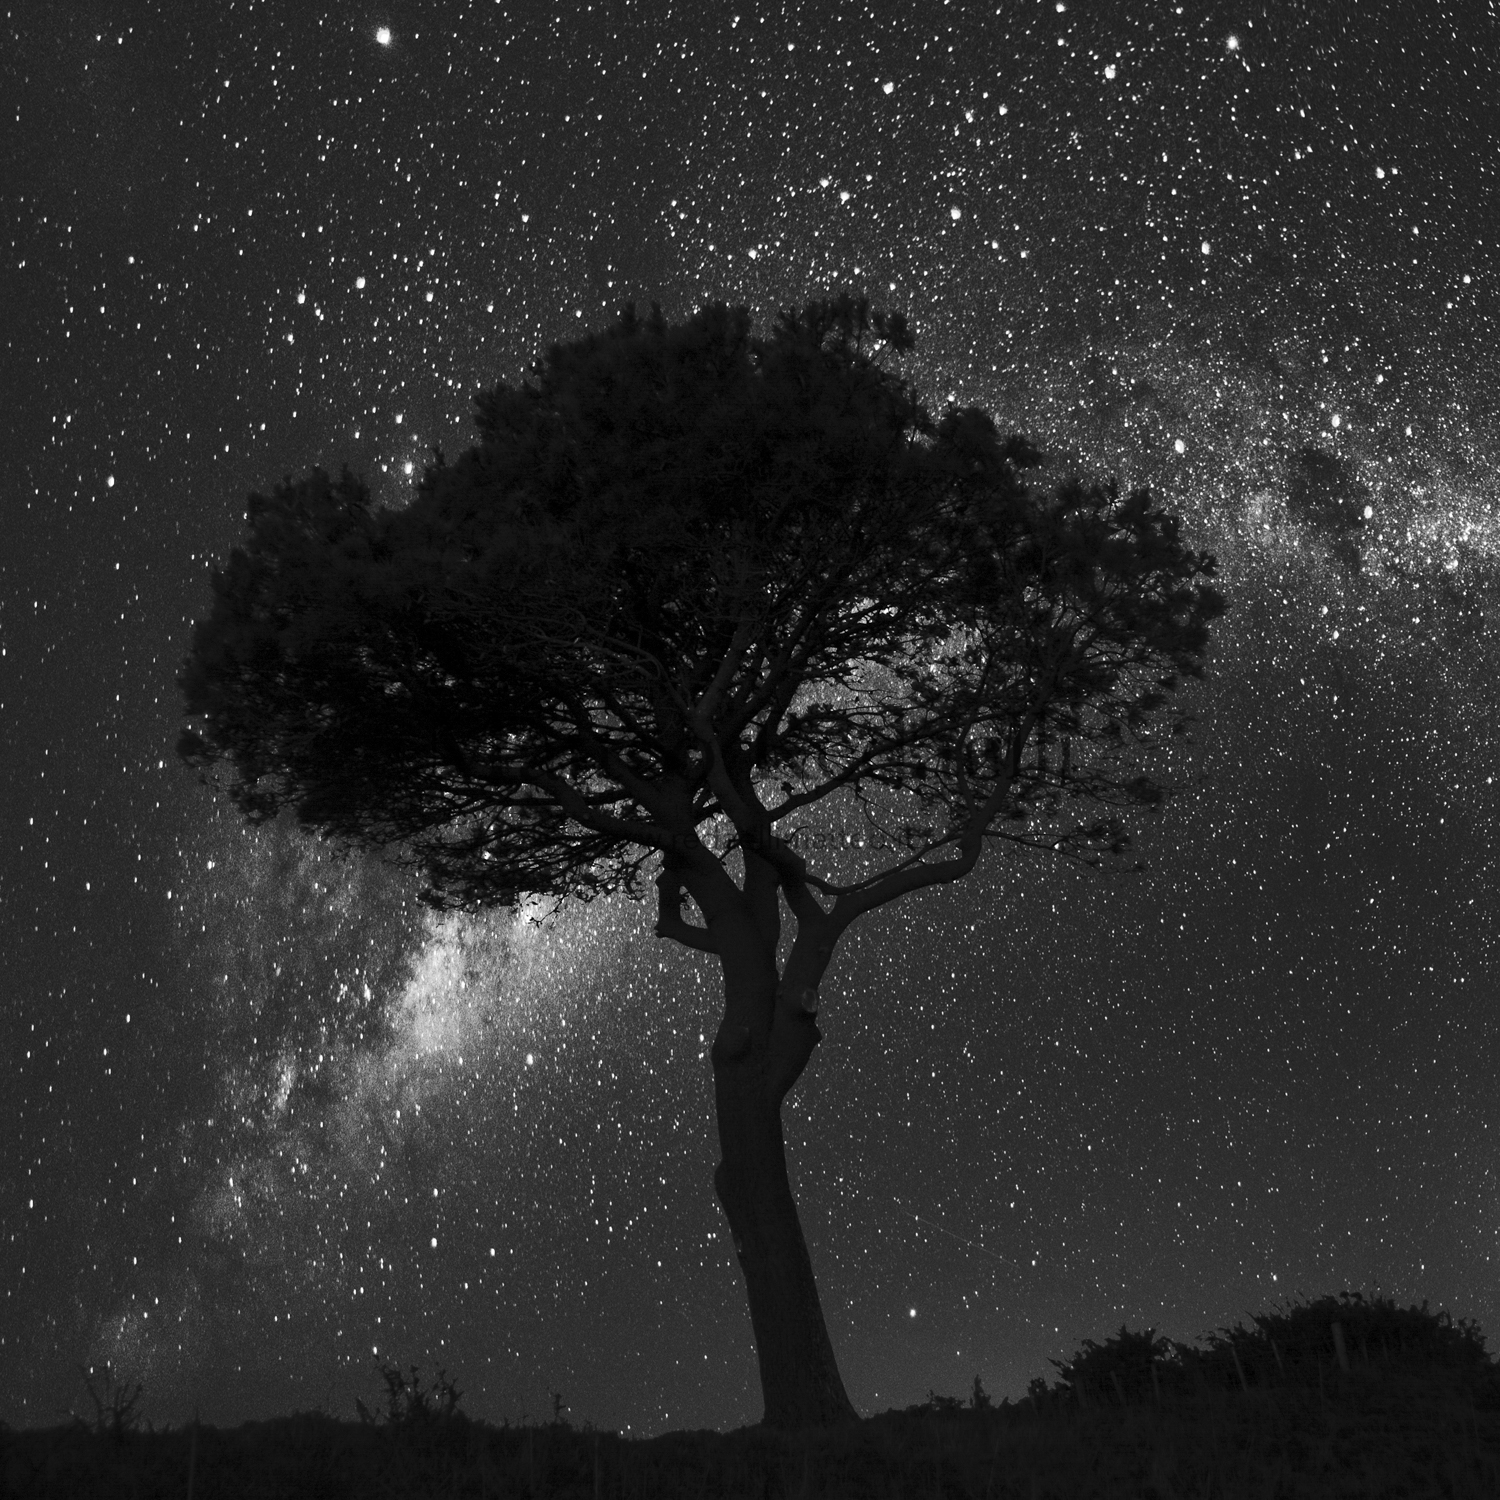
{"x": 266, "y": 1120}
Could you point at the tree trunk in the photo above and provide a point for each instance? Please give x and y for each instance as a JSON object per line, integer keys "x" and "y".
{"x": 799, "y": 1376}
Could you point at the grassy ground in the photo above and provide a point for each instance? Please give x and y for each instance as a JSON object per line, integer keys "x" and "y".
{"x": 1369, "y": 1434}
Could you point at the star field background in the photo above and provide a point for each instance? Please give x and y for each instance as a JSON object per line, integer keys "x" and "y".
{"x": 264, "y": 1117}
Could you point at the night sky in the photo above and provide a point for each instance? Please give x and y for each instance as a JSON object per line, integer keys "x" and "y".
{"x": 265, "y": 1118}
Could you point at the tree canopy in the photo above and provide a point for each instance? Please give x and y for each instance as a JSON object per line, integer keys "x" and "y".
{"x": 685, "y": 575}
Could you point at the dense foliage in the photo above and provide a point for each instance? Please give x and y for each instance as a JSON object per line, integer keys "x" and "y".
{"x": 689, "y": 575}
{"x": 1295, "y": 1346}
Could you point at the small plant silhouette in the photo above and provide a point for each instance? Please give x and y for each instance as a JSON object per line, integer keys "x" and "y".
{"x": 409, "y": 1405}
{"x": 114, "y": 1401}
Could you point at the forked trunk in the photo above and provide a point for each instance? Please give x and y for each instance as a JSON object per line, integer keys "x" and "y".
{"x": 799, "y": 1376}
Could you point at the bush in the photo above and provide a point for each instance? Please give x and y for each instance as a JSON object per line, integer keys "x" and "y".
{"x": 1295, "y": 1346}
{"x": 1118, "y": 1369}
{"x": 114, "y": 1402}
{"x": 1298, "y": 1345}
{"x": 409, "y": 1406}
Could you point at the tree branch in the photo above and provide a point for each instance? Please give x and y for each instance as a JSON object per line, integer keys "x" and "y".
{"x": 762, "y": 881}
{"x": 703, "y": 711}
{"x": 785, "y": 669}
{"x": 867, "y": 760}
{"x": 670, "y": 923}
{"x": 901, "y": 882}
{"x": 577, "y": 807}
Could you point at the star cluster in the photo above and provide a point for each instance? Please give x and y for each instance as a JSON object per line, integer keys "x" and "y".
{"x": 268, "y": 1120}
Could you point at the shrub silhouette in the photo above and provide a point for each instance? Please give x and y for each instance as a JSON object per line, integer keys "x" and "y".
{"x": 114, "y": 1401}
{"x": 408, "y": 1405}
{"x": 1118, "y": 1369}
{"x": 1294, "y": 1346}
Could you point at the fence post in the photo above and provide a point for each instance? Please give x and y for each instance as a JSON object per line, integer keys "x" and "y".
{"x": 1338, "y": 1346}
{"x": 1239, "y": 1370}
{"x": 1155, "y": 1383}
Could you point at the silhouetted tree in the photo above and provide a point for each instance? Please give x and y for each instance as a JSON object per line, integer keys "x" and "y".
{"x": 689, "y": 588}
